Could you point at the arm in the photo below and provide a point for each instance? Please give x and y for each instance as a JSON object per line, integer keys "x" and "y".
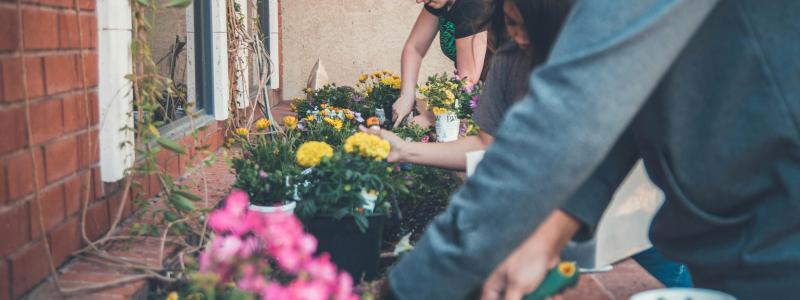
{"x": 471, "y": 54}
{"x": 580, "y": 102}
{"x": 450, "y": 155}
{"x": 417, "y": 45}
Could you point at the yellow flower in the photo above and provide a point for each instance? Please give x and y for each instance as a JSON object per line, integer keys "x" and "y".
{"x": 362, "y": 78}
{"x": 290, "y": 122}
{"x": 173, "y": 296}
{"x": 377, "y": 74}
{"x": 347, "y": 111}
{"x": 324, "y": 113}
{"x": 241, "y": 131}
{"x": 385, "y": 72}
{"x": 311, "y": 118}
{"x": 424, "y": 89}
{"x": 438, "y": 111}
{"x": 450, "y": 95}
{"x": 391, "y": 82}
{"x": 323, "y": 105}
{"x": 373, "y": 121}
{"x": 262, "y": 124}
{"x": 307, "y": 90}
{"x": 369, "y": 90}
{"x": 335, "y": 123}
{"x": 367, "y": 145}
{"x": 310, "y": 154}
{"x": 449, "y": 101}
{"x": 349, "y": 116}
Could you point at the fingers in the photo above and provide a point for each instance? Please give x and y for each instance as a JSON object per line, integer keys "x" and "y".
{"x": 493, "y": 287}
{"x": 398, "y": 120}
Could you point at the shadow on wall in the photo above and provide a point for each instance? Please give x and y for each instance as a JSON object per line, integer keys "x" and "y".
{"x": 350, "y": 37}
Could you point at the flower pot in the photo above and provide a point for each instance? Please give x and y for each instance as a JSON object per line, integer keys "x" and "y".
{"x": 447, "y": 125}
{"x": 352, "y": 250}
{"x": 285, "y": 208}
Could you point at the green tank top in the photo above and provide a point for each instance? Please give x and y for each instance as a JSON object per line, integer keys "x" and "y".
{"x": 447, "y": 38}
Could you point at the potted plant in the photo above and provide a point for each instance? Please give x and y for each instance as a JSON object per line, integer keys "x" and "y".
{"x": 345, "y": 199}
{"x": 265, "y": 170}
{"x": 450, "y": 99}
{"x": 380, "y": 90}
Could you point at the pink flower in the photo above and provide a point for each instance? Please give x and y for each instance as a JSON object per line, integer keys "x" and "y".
{"x": 227, "y": 248}
{"x": 425, "y": 139}
{"x": 232, "y": 218}
{"x": 288, "y": 259}
{"x": 274, "y": 291}
{"x": 321, "y": 268}
{"x": 344, "y": 287}
{"x": 308, "y": 290}
{"x": 307, "y": 244}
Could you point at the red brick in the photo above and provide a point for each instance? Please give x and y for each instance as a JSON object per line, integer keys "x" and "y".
{"x": 87, "y": 4}
{"x": 68, "y": 31}
{"x": 40, "y": 28}
{"x": 21, "y": 183}
{"x": 75, "y": 114}
{"x": 88, "y": 149}
{"x": 90, "y": 63}
{"x": 97, "y": 222}
{"x": 12, "y": 135}
{"x": 46, "y": 121}
{"x": 13, "y": 86}
{"x": 61, "y": 158}
{"x": 64, "y": 240}
{"x": 94, "y": 108}
{"x": 14, "y": 227}
{"x": 61, "y": 73}
{"x": 5, "y": 281}
{"x": 57, "y": 3}
{"x": 97, "y": 184}
{"x": 28, "y": 267}
{"x": 9, "y": 29}
{"x": 88, "y": 32}
{"x": 3, "y": 184}
{"x": 52, "y": 201}
{"x": 75, "y": 192}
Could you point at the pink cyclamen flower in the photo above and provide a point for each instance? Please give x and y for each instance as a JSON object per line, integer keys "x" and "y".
{"x": 321, "y": 268}
{"x": 308, "y": 290}
{"x": 231, "y": 217}
{"x": 425, "y": 139}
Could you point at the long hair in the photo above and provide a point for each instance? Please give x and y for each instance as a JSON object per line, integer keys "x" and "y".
{"x": 543, "y": 20}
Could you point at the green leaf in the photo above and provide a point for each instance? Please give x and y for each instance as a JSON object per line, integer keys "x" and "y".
{"x": 179, "y": 3}
{"x": 171, "y": 145}
{"x": 187, "y": 195}
{"x": 181, "y": 203}
{"x": 144, "y": 2}
{"x": 170, "y": 216}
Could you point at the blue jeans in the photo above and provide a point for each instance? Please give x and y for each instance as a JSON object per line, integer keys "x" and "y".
{"x": 669, "y": 273}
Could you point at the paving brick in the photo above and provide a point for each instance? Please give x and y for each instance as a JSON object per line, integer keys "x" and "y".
{"x": 61, "y": 73}
{"x": 5, "y": 281}
{"x": 46, "y": 122}
{"x": 52, "y": 212}
{"x": 28, "y": 267}
{"x": 65, "y": 240}
{"x": 13, "y": 87}
{"x": 40, "y": 28}
{"x": 9, "y": 29}
{"x": 61, "y": 158}
{"x": 13, "y": 135}
{"x": 97, "y": 221}
{"x": 14, "y": 227}
{"x": 68, "y": 31}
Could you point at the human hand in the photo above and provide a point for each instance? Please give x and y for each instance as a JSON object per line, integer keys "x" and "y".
{"x": 397, "y": 144}
{"x": 527, "y": 266}
{"x": 401, "y": 108}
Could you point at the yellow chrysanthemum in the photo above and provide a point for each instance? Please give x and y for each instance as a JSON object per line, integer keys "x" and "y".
{"x": 450, "y": 95}
{"x": 173, "y": 296}
{"x": 367, "y": 145}
{"x": 335, "y": 123}
{"x": 362, "y": 78}
{"x": 241, "y": 131}
{"x": 369, "y": 90}
{"x": 377, "y": 74}
{"x": 349, "y": 116}
{"x": 424, "y": 89}
{"x": 438, "y": 111}
{"x": 311, "y": 118}
{"x": 290, "y": 122}
{"x": 262, "y": 124}
{"x": 310, "y": 154}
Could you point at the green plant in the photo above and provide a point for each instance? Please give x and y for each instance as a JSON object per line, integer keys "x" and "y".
{"x": 330, "y": 124}
{"x": 450, "y": 95}
{"x": 266, "y": 168}
{"x": 355, "y": 181}
{"x": 380, "y": 89}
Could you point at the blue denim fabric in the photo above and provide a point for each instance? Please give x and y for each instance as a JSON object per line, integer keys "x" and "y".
{"x": 671, "y": 274}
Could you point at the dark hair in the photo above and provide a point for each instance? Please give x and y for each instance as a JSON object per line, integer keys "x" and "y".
{"x": 543, "y": 20}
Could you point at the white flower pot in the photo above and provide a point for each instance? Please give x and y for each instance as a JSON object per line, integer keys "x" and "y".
{"x": 287, "y": 208}
{"x": 381, "y": 115}
{"x": 369, "y": 200}
{"x": 447, "y": 127}
{"x": 681, "y": 294}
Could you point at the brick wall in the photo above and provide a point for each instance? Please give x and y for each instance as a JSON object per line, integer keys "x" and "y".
{"x": 63, "y": 116}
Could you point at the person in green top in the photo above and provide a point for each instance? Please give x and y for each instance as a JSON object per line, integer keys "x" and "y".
{"x": 463, "y": 38}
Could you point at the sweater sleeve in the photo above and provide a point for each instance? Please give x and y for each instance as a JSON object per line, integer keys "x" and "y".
{"x": 607, "y": 60}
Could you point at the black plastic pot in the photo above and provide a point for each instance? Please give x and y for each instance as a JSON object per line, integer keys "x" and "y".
{"x": 353, "y": 251}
